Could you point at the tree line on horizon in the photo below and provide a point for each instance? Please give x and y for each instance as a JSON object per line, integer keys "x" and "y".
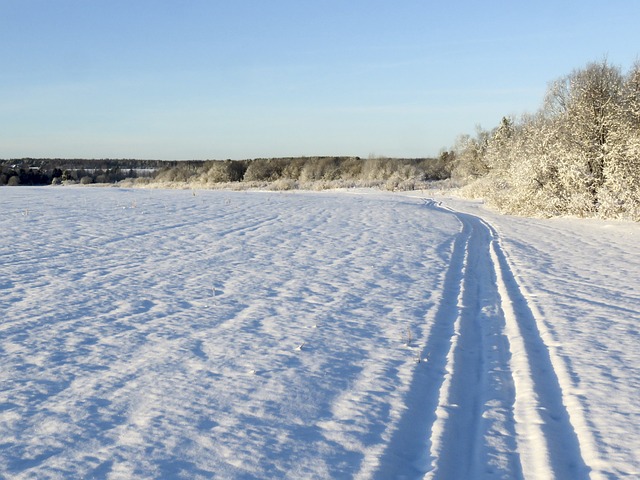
{"x": 282, "y": 173}
{"x": 579, "y": 154}
{"x": 47, "y": 171}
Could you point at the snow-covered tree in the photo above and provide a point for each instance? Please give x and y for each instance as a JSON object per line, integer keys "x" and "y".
{"x": 470, "y": 159}
{"x": 579, "y": 154}
{"x": 620, "y": 193}
{"x": 584, "y": 106}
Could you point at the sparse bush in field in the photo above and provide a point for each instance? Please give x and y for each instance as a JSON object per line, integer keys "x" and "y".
{"x": 175, "y": 174}
{"x": 264, "y": 169}
{"x": 216, "y": 172}
{"x": 293, "y": 168}
{"x": 283, "y": 184}
{"x": 396, "y": 183}
{"x": 326, "y": 168}
{"x": 376, "y": 168}
{"x": 222, "y": 172}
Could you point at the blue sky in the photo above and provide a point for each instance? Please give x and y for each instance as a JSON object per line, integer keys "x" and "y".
{"x": 245, "y": 78}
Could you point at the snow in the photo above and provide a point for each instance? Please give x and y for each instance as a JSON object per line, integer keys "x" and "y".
{"x": 178, "y": 334}
{"x": 581, "y": 279}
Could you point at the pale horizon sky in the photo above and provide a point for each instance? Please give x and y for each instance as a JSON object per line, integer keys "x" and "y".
{"x": 160, "y": 79}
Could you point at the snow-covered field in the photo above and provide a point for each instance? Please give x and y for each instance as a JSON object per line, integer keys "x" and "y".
{"x": 162, "y": 334}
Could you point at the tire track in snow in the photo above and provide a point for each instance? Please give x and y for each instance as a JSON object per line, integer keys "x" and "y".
{"x": 548, "y": 445}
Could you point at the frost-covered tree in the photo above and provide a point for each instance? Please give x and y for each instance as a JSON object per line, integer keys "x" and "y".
{"x": 500, "y": 143}
{"x": 584, "y": 107}
{"x": 620, "y": 193}
{"x": 470, "y": 159}
{"x": 221, "y": 171}
{"x": 579, "y": 154}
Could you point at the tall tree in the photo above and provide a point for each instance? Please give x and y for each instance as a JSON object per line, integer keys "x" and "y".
{"x": 584, "y": 106}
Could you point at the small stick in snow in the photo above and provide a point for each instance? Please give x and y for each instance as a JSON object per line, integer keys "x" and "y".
{"x": 409, "y": 337}
{"x": 214, "y": 294}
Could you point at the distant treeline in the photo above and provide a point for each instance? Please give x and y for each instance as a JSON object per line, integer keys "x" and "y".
{"x": 46, "y": 171}
{"x": 289, "y": 172}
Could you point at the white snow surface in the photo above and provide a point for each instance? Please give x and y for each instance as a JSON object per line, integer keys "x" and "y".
{"x": 257, "y": 335}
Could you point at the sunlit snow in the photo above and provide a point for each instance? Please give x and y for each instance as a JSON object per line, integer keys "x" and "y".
{"x": 179, "y": 334}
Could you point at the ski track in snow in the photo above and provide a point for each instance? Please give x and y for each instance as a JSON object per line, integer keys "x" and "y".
{"x": 579, "y": 280}
{"x": 160, "y": 334}
{"x": 489, "y": 394}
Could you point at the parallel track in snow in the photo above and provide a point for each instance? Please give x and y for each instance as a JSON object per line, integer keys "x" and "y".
{"x": 501, "y": 375}
{"x": 492, "y": 401}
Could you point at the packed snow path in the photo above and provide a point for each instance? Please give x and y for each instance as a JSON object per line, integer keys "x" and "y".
{"x": 171, "y": 334}
{"x": 497, "y": 403}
